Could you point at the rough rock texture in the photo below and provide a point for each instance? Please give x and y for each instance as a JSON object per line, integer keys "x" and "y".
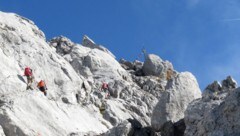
{"x": 140, "y": 94}
{"x": 123, "y": 129}
{"x": 87, "y": 42}
{"x": 62, "y": 44}
{"x": 155, "y": 66}
{"x": 1, "y": 132}
{"x": 97, "y": 67}
{"x": 173, "y": 129}
{"x": 74, "y": 74}
{"x": 134, "y": 68}
{"x": 29, "y": 112}
{"x": 180, "y": 91}
{"x": 131, "y": 127}
{"x": 126, "y": 64}
{"x": 229, "y": 83}
{"x": 89, "y": 61}
{"x": 217, "y": 113}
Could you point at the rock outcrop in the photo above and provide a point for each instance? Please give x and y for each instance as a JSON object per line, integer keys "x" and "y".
{"x": 87, "y": 42}
{"x": 140, "y": 94}
{"x": 155, "y": 66}
{"x": 98, "y": 66}
{"x": 74, "y": 74}
{"x": 29, "y": 112}
{"x": 173, "y": 129}
{"x": 134, "y": 68}
{"x": 173, "y": 102}
{"x": 217, "y": 113}
{"x": 62, "y": 44}
{"x": 131, "y": 127}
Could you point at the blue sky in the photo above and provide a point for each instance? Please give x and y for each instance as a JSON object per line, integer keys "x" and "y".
{"x": 200, "y": 36}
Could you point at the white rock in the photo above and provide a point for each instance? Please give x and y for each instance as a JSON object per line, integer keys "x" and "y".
{"x": 172, "y": 104}
{"x": 87, "y": 42}
{"x": 74, "y": 75}
{"x": 1, "y": 131}
{"x": 23, "y": 113}
{"x": 31, "y": 113}
{"x": 153, "y": 65}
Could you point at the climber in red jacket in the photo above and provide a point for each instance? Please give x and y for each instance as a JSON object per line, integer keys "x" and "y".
{"x": 104, "y": 88}
{"x": 28, "y": 73}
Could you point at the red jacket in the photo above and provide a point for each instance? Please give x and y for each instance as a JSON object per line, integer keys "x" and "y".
{"x": 104, "y": 86}
{"x": 28, "y": 71}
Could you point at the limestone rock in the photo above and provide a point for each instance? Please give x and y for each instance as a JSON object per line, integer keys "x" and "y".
{"x": 126, "y": 64}
{"x": 96, "y": 64}
{"x": 131, "y": 127}
{"x": 153, "y": 65}
{"x": 87, "y": 42}
{"x": 29, "y": 112}
{"x": 123, "y": 129}
{"x": 215, "y": 116}
{"x": 172, "y": 104}
{"x": 214, "y": 90}
{"x": 62, "y": 44}
{"x": 134, "y": 68}
{"x": 229, "y": 83}
{"x": 1, "y": 131}
{"x": 214, "y": 87}
{"x": 173, "y": 129}
{"x": 74, "y": 74}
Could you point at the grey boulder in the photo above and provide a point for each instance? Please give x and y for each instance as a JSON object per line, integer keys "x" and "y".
{"x": 217, "y": 113}
{"x": 153, "y": 65}
{"x": 180, "y": 91}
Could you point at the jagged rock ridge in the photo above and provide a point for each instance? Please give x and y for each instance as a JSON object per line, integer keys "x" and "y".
{"x": 217, "y": 112}
{"x": 74, "y": 74}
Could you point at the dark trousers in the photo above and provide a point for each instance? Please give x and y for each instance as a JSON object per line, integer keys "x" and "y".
{"x": 42, "y": 89}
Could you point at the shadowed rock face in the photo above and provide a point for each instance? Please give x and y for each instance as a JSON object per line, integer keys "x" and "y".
{"x": 173, "y": 129}
{"x": 131, "y": 127}
{"x": 217, "y": 113}
{"x": 74, "y": 74}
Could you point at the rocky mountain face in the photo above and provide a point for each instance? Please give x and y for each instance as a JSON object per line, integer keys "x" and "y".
{"x": 28, "y": 112}
{"x": 146, "y": 98}
{"x": 217, "y": 112}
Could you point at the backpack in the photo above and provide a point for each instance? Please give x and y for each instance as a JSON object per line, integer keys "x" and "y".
{"x": 41, "y": 84}
{"x": 28, "y": 71}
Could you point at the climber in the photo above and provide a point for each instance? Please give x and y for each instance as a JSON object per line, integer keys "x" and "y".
{"x": 42, "y": 87}
{"x": 28, "y": 73}
{"x": 104, "y": 88}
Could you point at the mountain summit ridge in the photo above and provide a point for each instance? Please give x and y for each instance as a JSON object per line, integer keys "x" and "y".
{"x": 74, "y": 74}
